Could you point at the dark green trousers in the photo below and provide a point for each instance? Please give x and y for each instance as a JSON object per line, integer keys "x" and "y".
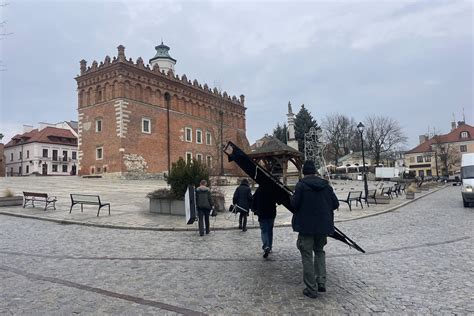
{"x": 314, "y": 269}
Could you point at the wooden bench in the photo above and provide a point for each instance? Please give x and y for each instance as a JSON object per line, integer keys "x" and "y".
{"x": 353, "y": 196}
{"x": 371, "y": 194}
{"x": 87, "y": 199}
{"x": 29, "y": 198}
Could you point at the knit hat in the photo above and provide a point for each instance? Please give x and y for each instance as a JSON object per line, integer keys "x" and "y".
{"x": 308, "y": 167}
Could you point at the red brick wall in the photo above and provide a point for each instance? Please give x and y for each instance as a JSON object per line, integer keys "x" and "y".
{"x": 190, "y": 106}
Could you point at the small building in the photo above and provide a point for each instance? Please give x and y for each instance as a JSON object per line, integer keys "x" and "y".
{"x": 50, "y": 149}
{"x": 440, "y": 155}
{"x": 275, "y": 156}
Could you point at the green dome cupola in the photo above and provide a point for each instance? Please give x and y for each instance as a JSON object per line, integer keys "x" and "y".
{"x": 163, "y": 58}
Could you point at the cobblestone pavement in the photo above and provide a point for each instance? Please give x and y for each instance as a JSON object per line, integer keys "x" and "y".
{"x": 419, "y": 260}
{"x": 130, "y": 208}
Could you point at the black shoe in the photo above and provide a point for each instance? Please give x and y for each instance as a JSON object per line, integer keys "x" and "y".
{"x": 244, "y": 229}
{"x": 240, "y": 227}
{"x": 200, "y": 234}
{"x": 266, "y": 252}
{"x": 207, "y": 233}
{"x": 321, "y": 288}
{"x": 307, "y": 293}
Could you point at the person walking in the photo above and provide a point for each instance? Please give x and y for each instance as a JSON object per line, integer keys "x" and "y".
{"x": 314, "y": 202}
{"x": 204, "y": 205}
{"x": 242, "y": 199}
{"x": 264, "y": 206}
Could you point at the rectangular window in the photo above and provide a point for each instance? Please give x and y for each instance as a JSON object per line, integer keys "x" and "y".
{"x": 427, "y": 159}
{"x": 55, "y": 155}
{"x": 209, "y": 161}
{"x": 45, "y": 153}
{"x": 189, "y": 157}
{"x": 419, "y": 158}
{"x": 73, "y": 154}
{"x": 464, "y": 134}
{"x": 146, "y": 125}
{"x": 208, "y": 138}
{"x": 463, "y": 148}
{"x": 98, "y": 125}
{"x": 64, "y": 155}
{"x": 27, "y": 154}
{"x": 20, "y": 155}
{"x": 421, "y": 173}
{"x": 19, "y": 171}
{"x": 64, "y": 168}
{"x": 428, "y": 173}
{"x": 99, "y": 153}
{"x": 198, "y": 136}
{"x": 11, "y": 156}
{"x": 55, "y": 168}
{"x": 27, "y": 169}
{"x": 199, "y": 157}
{"x": 188, "y": 134}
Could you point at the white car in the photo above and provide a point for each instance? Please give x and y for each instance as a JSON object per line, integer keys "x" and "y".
{"x": 467, "y": 178}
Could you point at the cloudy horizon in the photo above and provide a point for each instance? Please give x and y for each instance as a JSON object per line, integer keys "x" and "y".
{"x": 409, "y": 60}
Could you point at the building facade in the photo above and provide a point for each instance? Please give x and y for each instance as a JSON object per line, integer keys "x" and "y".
{"x": 2, "y": 160}
{"x": 51, "y": 149}
{"x": 137, "y": 117}
{"x": 440, "y": 155}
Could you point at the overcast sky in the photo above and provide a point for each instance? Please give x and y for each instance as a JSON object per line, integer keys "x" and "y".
{"x": 410, "y": 60}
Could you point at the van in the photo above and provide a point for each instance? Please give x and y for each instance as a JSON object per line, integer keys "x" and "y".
{"x": 467, "y": 178}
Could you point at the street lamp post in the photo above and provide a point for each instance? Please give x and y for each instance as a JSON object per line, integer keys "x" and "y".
{"x": 361, "y": 127}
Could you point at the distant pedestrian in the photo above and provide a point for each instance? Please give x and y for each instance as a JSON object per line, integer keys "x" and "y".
{"x": 314, "y": 203}
{"x": 242, "y": 200}
{"x": 204, "y": 206}
{"x": 264, "y": 205}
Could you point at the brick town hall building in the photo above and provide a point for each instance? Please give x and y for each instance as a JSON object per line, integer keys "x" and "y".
{"x": 144, "y": 117}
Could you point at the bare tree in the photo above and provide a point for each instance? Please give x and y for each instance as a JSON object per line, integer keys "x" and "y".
{"x": 448, "y": 154}
{"x": 384, "y": 134}
{"x": 338, "y": 132}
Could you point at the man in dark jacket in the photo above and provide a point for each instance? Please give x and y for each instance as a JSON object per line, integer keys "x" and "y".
{"x": 264, "y": 205}
{"x": 204, "y": 206}
{"x": 242, "y": 199}
{"x": 314, "y": 203}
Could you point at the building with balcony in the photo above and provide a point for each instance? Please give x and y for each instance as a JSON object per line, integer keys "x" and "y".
{"x": 50, "y": 149}
{"x": 440, "y": 155}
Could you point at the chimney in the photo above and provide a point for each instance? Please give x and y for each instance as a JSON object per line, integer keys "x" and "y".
{"x": 423, "y": 138}
{"x": 121, "y": 53}
{"x": 27, "y": 128}
{"x": 453, "y": 125}
{"x": 83, "y": 64}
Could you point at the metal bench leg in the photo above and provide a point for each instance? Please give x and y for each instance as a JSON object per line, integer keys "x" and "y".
{"x": 71, "y": 208}
{"x": 109, "y": 209}
{"x": 82, "y": 209}
{"x": 98, "y": 211}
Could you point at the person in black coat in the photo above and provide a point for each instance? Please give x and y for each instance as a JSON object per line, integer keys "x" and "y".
{"x": 242, "y": 200}
{"x": 264, "y": 206}
{"x": 314, "y": 202}
{"x": 204, "y": 205}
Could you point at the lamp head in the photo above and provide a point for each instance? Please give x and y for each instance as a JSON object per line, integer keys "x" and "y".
{"x": 360, "y": 127}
